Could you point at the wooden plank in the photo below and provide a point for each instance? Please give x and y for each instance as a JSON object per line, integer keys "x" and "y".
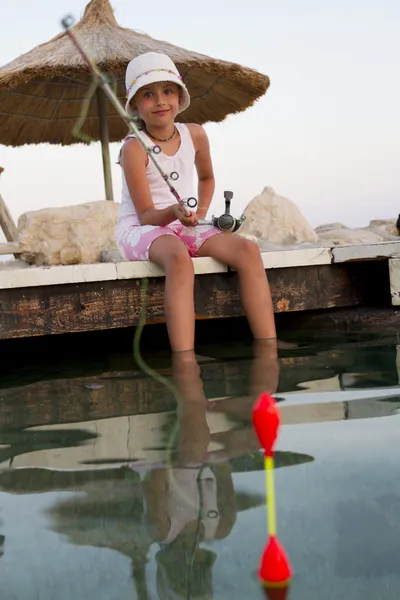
{"x": 357, "y": 284}
{"x": 26, "y": 277}
{"x": 293, "y": 257}
{"x": 60, "y": 274}
{"x": 285, "y": 258}
{"x": 55, "y": 275}
{"x": 37, "y": 276}
{"x": 297, "y": 257}
{"x": 394, "y": 274}
{"x": 361, "y": 319}
{"x": 10, "y": 248}
{"x": 94, "y": 306}
{"x": 146, "y": 268}
{"x": 354, "y": 252}
{"x": 328, "y": 286}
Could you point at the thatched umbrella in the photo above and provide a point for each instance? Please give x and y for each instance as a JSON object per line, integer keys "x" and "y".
{"x": 42, "y": 92}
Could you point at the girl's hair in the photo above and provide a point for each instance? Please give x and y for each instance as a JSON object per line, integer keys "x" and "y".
{"x": 141, "y": 125}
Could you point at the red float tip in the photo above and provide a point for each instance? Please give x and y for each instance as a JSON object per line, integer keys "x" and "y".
{"x": 275, "y": 570}
{"x": 266, "y": 421}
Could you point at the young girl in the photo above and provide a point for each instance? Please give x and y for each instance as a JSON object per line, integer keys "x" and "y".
{"x": 153, "y": 226}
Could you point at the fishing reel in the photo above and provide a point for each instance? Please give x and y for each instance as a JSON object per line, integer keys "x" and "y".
{"x": 227, "y": 222}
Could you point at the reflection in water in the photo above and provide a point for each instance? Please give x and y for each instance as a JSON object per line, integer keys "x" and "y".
{"x": 14, "y": 443}
{"x": 177, "y": 505}
{"x": 179, "y": 491}
{"x": 185, "y": 499}
{"x": 277, "y": 593}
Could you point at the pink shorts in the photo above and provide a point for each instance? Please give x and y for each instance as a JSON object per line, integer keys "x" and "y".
{"x": 135, "y": 241}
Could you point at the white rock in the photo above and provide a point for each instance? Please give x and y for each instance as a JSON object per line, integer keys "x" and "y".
{"x": 275, "y": 219}
{"x": 351, "y": 236}
{"x": 69, "y": 234}
{"x": 384, "y": 226}
{"x": 111, "y": 255}
{"x": 329, "y": 227}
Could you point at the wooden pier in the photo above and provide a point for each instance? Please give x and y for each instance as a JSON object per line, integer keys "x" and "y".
{"x": 38, "y": 301}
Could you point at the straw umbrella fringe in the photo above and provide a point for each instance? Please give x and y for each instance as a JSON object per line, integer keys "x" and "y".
{"x": 43, "y": 91}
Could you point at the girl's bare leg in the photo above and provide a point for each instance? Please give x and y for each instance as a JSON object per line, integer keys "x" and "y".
{"x": 186, "y": 374}
{"x": 244, "y": 256}
{"x": 264, "y": 374}
{"x": 171, "y": 254}
{"x": 194, "y": 433}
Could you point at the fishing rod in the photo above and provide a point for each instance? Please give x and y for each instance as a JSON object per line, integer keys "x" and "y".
{"x": 130, "y": 120}
{"x": 225, "y": 222}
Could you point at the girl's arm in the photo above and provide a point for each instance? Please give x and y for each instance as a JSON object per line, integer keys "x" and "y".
{"x": 204, "y": 168}
{"x": 134, "y": 161}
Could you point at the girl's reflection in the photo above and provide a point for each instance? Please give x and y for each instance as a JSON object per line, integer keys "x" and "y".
{"x": 194, "y": 500}
{"x": 190, "y": 501}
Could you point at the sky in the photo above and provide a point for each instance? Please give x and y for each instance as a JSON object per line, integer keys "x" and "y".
{"x": 325, "y": 135}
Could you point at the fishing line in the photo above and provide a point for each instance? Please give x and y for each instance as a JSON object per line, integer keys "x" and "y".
{"x": 168, "y": 385}
{"x": 221, "y": 222}
{"x": 201, "y": 513}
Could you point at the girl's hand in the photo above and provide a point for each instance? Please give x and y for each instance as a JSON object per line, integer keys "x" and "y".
{"x": 187, "y": 220}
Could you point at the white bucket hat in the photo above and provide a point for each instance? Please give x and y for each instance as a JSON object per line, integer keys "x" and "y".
{"x": 149, "y": 68}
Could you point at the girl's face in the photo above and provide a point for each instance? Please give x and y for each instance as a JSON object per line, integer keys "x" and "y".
{"x": 158, "y": 103}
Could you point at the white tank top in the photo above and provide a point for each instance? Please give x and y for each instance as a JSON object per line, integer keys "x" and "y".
{"x": 182, "y": 162}
{"x": 183, "y": 502}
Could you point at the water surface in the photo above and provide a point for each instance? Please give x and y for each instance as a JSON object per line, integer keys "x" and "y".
{"x": 110, "y": 490}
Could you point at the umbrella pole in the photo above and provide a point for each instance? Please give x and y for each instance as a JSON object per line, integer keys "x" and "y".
{"x": 105, "y": 142}
{"x": 9, "y": 228}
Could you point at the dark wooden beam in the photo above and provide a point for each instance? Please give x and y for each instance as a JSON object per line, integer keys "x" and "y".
{"x": 72, "y": 308}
